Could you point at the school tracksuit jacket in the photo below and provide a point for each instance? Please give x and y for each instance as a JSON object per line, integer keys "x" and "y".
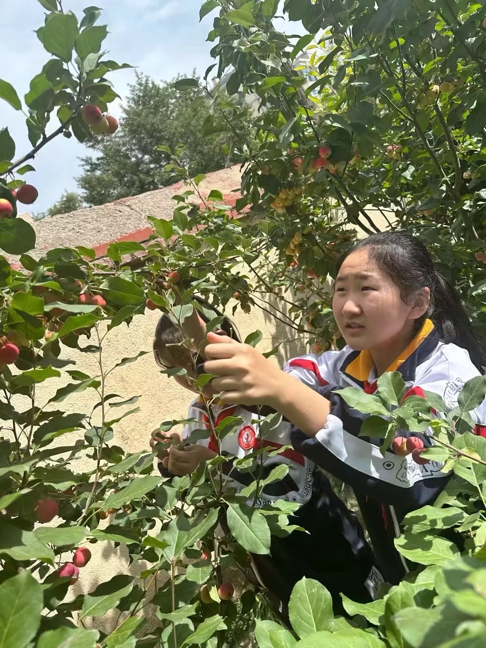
{"x": 334, "y": 551}
{"x": 386, "y": 487}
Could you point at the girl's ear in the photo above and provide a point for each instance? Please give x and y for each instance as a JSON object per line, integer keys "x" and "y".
{"x": 421, "y": 304}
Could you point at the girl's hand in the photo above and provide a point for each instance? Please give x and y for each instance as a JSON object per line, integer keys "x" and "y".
{"x": 160, "y": 443}
{"x": 185, "y": 461}
{"x": 245, "y": 377}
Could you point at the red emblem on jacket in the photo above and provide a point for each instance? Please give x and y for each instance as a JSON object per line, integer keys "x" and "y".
{"x": 247, "y": 437}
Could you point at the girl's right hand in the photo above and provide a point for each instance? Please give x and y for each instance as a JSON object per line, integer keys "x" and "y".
{"x": 160, "y": 443}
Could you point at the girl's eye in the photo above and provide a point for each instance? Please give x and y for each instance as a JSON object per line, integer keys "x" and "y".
{"x": 367, "y": 288}
{"x": 339, "y": 290}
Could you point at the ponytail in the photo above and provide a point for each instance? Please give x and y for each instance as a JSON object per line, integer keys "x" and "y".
{"x": 408, "y": 263}
{"x": 452, "y": 322}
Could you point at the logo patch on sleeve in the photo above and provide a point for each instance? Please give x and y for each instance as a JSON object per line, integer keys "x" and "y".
{"x": 247, "y": 437}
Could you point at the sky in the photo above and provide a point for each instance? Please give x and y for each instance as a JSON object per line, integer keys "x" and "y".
{"x": 161, "y": 38}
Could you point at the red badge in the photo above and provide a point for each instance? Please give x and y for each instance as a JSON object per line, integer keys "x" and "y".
{"x": 247, "y": 437}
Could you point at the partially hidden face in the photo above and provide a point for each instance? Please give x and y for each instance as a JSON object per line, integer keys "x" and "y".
{"x": 367, "y": 305}
{"x": 183, "y": 359}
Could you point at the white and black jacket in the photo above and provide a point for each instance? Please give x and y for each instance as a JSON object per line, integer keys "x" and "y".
{"x": 387, "y": 487}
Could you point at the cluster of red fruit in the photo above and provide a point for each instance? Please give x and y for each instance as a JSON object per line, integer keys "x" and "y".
{"x": 46, "y": 510}
{"x": 413, "y": 445}
{"x": 172, "y": 278}
{"x": 26, "y": 194}
{"x": 100, "y": 124}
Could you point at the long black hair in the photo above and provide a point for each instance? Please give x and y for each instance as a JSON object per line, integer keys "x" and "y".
{"x": 168, "y": 334}
{"x": 409, "y": 264}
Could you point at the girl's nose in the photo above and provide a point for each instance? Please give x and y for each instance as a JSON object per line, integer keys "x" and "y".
{"x": 351, "y": 308}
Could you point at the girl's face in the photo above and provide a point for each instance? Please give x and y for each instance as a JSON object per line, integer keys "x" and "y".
{"x": 169, "y": 362}
{"x": 368, "y": 308}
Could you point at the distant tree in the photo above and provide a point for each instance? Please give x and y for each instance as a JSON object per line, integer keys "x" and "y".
{"x": 70, "y": 201}
{"x": 129, "y": 163}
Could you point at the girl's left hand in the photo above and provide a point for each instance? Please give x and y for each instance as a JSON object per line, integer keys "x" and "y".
{"x": 245, "y": 376}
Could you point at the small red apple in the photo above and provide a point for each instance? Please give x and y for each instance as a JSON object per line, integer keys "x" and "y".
{"x": 98, "y": 300}
{"x": 416, "y": 456}
{"x": 414, "y": 443}
{"x": 6, "y": 209}
{"x": 68, "y": 570}
{"x": 81, "y": 556}
{"x": 325, "y": 152}
{"x": 399, "y": 446}
{"x": 100, "y": 127}
{"x": 298, "y": 164}
{"x": 46, "y": 510}
{"x": 226, "y": 591}
{"x": 112, "y": 124}
{"x": 246, "y": 309}
{"x": 9, "y": 353}
{"x": 91, "y": 114}
{"x": 173, "y": 277}
{"x": 27, "y": 194}
{"x": 206, "y": 555}
{"x": 151, "y": 305}
{"x": 318, "y": 163}
{"x": 481, "y": 256}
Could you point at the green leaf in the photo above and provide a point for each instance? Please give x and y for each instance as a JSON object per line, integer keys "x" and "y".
{"x": 72, "y": 388}
{"x": 366, "y": 403}
{"x": 68, "y": 638}
{"x": 127, "y": 463}
{"x": 9, "y": 94}
{"x": 135, "y": 490}
{"x": 118, "y": 638}
{"x": 345, "y": 639}
{"x": 242, "y": 16}
{"x": 276, "y": 474}
{"x": 35, "y": 376}
{"x": 89, "y": 41}
{"x": 126, "y": 361}
{"x": 269, "y": 8}
{"x": 207, "y": 7}
{"x": 310, "y": 607}
{"x": 272, "y": 635}
{"x": 16, "y": 236}
{"x": 214, "y": 194}
{"x": 254, "y": 338}
{"x": 50, "y": 5}
{"x": 21, "y": 604}
{"x": 77, "y": 322}
{"x": 22, "y": 545}
{"x": 472, "y": 394}
{"x": 163, "y": 228}
{"x": 180, "y": 614}
{"x": 249, "y": 527}
{"x": 116, "y": 534}
{"x": 185, "y": 84}
{"x": 425, "y": 550}
{"x": 431, "y": 517}
{"x": 391, "y": 387}
{"x": 6, "y": 500}
{"x": 25, "y": 169}
{"x": 7, "y": 145}
{"x": 59, "y": 35}
{"x": 122, "y": 292}
{"x": 372, "y": 612}
{"x": 71, "y": 308}
{"x": 301, "y": 44}
{"x": 60, "y": 536}
{"x": 181, "y": 533}
{"x": 199, "y": 572}
{"x": 28, "y": 303}
{"x": 205, "y": 631}
{"x": 375, "y": 427}
{"x": 106, "y": 596}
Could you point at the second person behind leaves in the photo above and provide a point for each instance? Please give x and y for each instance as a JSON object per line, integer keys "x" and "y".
{"x": 332, "y": 549}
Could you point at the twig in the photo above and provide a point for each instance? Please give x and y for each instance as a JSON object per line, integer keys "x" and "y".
{"x": 455, "y": 158}
{"x": 36, "y": 149}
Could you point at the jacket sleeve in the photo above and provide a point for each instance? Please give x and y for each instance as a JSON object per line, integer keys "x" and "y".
{"x": 357, "y": 461}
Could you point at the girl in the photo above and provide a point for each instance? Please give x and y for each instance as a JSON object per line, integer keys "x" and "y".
{"x": 334, "y": 550}
{"x": 396, "y": 313}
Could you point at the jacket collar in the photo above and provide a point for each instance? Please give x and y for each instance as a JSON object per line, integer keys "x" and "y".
{"x": 359, "y": 364}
